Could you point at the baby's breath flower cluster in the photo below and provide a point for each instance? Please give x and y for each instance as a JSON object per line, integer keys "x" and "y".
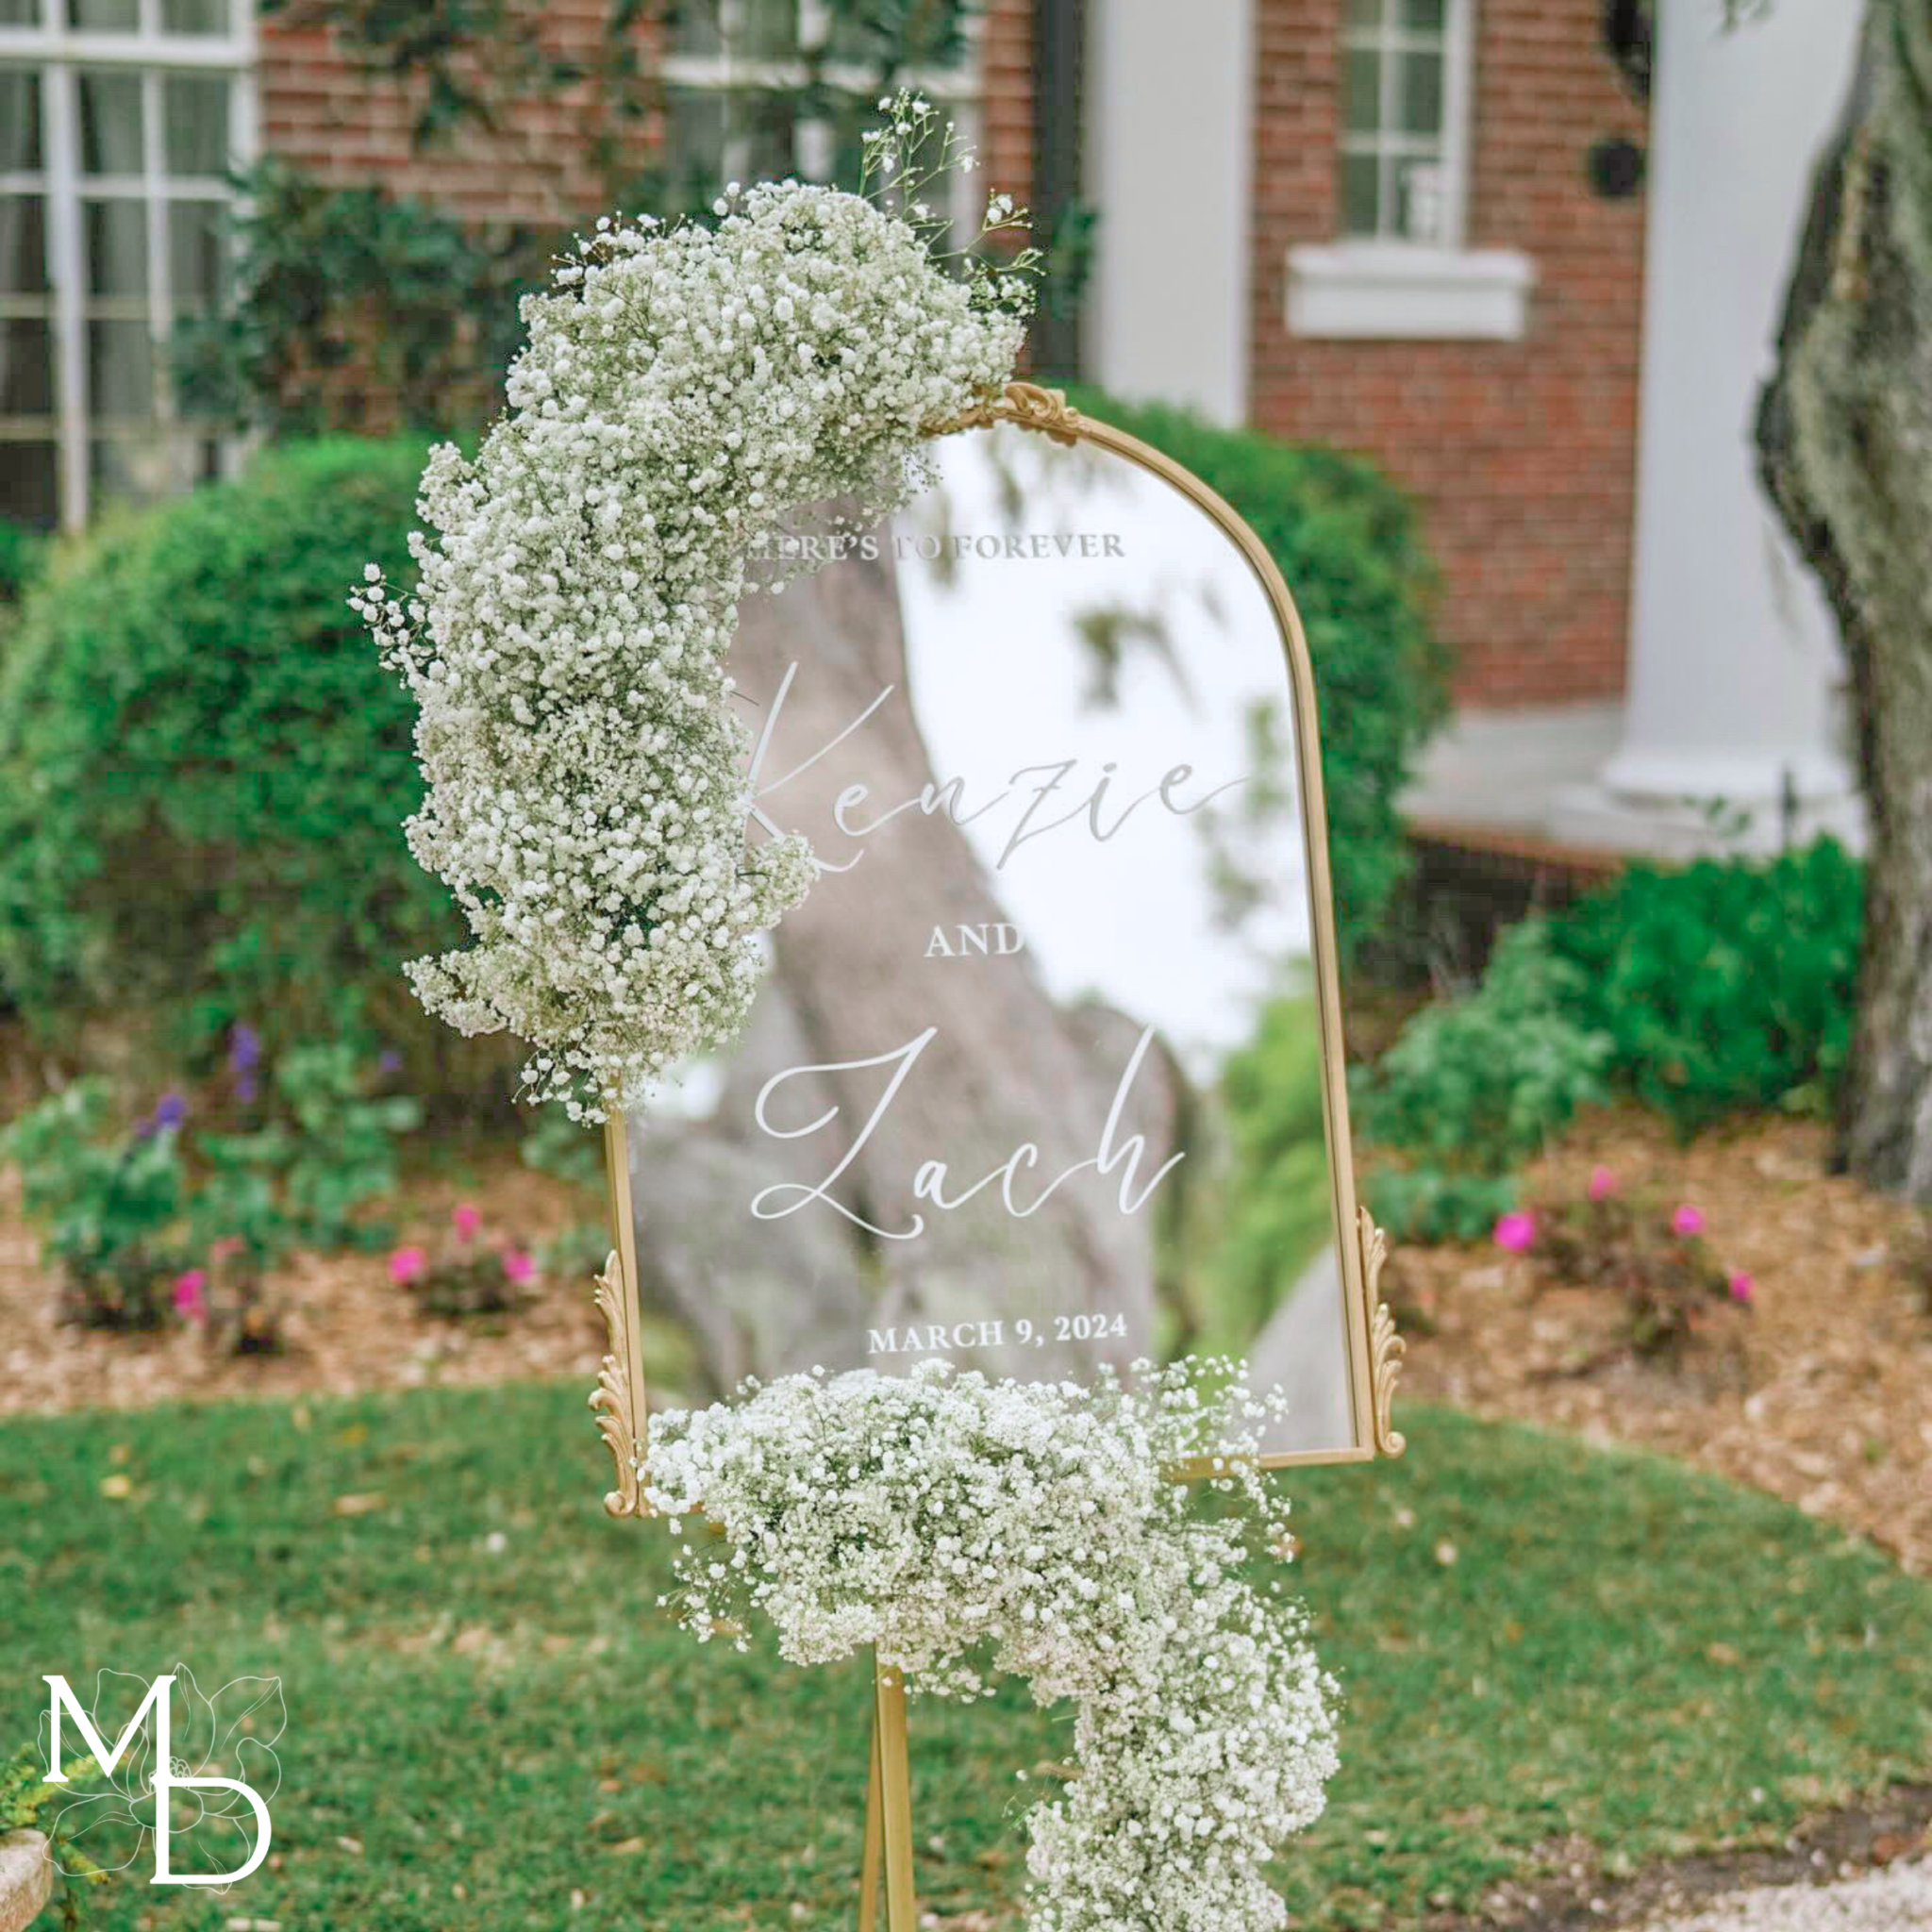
{"x": 964, "y": 1527}
{"x": 685, "y": 391}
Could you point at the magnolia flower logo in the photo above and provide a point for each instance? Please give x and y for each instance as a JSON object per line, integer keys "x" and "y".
{"x": 205, "y": 1765}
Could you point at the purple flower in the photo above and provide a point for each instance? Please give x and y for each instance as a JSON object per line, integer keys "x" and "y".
{"x": 245, "y": 1047}
{"x": 246, "y": 1088}
{"x": 391, "y": 1062}
{"x": 169, "y": 1111}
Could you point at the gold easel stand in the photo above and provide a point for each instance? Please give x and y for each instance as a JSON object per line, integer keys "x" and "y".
{"x": 887, "y": 1810}
{"x": 622, "y": 1420}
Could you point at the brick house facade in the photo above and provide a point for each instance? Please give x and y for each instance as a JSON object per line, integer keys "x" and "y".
{"x": 1522, "y": 452}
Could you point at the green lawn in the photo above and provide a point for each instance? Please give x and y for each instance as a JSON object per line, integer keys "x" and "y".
{"x": 482, "y": 1695}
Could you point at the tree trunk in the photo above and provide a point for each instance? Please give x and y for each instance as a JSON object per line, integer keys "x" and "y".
{"x": 1845, "y": 437}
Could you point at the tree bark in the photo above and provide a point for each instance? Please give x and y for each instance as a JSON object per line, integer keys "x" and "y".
{"x": 1845, "y": 437}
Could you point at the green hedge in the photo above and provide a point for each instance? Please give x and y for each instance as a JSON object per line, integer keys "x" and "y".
{"x": 204, "y": 770}
{"x": 1346, "y": 541}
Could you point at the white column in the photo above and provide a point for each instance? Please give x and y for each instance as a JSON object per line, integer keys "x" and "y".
{"x": 1735, "y": 669}
{"x": 1170, "y": 168}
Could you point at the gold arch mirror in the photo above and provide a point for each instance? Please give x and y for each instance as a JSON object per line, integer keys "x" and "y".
{"x": 1048, "y": 1068}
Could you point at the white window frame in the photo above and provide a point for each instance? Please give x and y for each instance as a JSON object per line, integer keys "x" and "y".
{"x": 55, "y": 52}
{"x": 1387, "y": 287}
{"x": 956, "y": 89}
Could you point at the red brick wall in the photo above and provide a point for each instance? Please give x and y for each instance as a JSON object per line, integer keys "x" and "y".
{"x": 1523, "y": 453}
{"x": 321, "y": 110}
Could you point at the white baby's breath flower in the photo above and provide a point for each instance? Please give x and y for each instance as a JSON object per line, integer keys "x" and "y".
{"x": 587, "y": 798}
{"x": 1204, "y": 1727}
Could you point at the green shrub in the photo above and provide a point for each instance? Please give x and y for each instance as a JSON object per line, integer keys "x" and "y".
{"x": 203, "y": 770}
{"x": 1475, "y": 1087}
{"x": 1345, "y": 540}
{"x": 1729, "y": 984}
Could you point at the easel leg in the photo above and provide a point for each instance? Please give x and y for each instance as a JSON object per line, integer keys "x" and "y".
{"x": 889, "y": 1811}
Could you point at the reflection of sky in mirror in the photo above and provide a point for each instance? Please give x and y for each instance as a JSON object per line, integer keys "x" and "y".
{"x": 997, "y": 668}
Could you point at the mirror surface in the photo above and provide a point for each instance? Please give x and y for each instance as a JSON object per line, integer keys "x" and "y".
{"x": 1036, "y": 1080}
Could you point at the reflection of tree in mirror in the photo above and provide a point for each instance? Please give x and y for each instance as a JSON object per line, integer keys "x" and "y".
{"x": 1266, "y": 810}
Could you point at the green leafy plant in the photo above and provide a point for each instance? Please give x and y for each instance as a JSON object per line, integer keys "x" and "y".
{"x": 1726, "y": 985}
{"x": 111, "y": 1204}
{"x": 1655, "y": 1256}
{"x": 229, "y": 1300}
{"x": 1348, "y": 543}
{"x": 565, "y": 1149}
{"x": 311, "y": 1172}
{"x": 23, "y": 558}
{"x": 203, "y": 771}
{"x": 1475, "y": 1087}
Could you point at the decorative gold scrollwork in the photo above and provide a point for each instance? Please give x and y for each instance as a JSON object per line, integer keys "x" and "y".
{"x": 1386, "y": 1347}
{"x": 612, "y": 1401}
{"x": 1020, "y": 402}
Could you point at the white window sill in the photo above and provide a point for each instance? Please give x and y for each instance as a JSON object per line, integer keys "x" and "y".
{"x": 1402, "y": 291}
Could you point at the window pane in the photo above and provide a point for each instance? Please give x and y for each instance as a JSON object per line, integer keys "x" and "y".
{"x": 20, "y": 13}
{"x": 23, "y": 245}
{"x": 116, "y": 239}
{"x": 766, "y": 29}
{"x": 695, "y": 160}
{"x": 110, "y": 124}
{"x": 30, "y": 491}
{"x": 1362, "y": 90}
{"x": 1360, "y": 193}
{"x": 20, "y": 118}
{"x": 1421, "y": 186}
{"x": 120, "y": 370}
{"x": 198, "y": 254}
{"x": 695, "y": 30}
{"x": 194, "y": 16}
{"x": 1420, "y": 16}
{"x": 26, "y": 368}
{"x": 104, "y": 16}
{"x": 1419, "y": 91}
{"x": 196, "y": 117}
{"x": 1364, "y": 12}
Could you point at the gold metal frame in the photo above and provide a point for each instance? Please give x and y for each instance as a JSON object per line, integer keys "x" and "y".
{"x": 1375, "y": 1349}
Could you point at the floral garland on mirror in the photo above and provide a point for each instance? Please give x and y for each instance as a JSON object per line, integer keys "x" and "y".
{"x": 685, "y": 391}
{"x": 965, "y": 1527}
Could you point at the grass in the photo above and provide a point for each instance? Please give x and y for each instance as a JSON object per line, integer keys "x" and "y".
{"x": 489, "y": 1718}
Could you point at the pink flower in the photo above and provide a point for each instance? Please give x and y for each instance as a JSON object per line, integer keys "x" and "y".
{"x": 190, "y": 1297}
{"x": 1744, "y": 1288}
{"x": 467, "y": 1219}
{"x": 1687, "y": 1220}
{"x": 1516, "y": 1232}
{"x": 518, "y": 1266}
{"x": 1603, "y": 1184}
{"x": 228, "y": 1246}
{"x": 407, "y": 1263}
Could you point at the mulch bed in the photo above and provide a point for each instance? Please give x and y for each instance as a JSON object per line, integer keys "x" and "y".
{"x": 347, "y": 1326}
{"x": 1819, "y": 1394}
